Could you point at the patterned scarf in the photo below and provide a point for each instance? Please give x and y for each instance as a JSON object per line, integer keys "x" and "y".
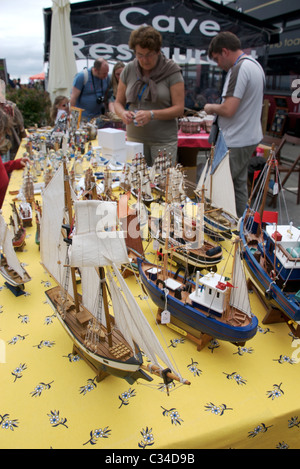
{"x": 163, "y": 69}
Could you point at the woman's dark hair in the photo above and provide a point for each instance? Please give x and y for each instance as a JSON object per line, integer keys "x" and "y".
{"x": 146, "y": 37}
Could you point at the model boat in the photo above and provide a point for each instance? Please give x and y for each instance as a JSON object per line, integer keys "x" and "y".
{"x": 271, "y": 251}
{"x": 19, "y": 232}
{"x": 25, "y": 212}
{"x": 158, "y": 172}
{"x": 110, "y": 343}
{"x": 182, "y": 232}
{"x": 220, "y": 211}
{"x": 10, "y": 267}
{"x": 210, "y": 305}
{"x": 140, "y": 180}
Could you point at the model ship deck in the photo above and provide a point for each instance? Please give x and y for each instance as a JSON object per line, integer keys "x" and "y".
{"x": 78, "y": 325}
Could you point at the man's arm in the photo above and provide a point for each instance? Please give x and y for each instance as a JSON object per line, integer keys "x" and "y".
{"x": 226, "y": 109}
{"x": 74, "y": 96}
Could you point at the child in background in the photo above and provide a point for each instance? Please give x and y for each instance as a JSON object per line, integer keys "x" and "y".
{"x": 60, "y": 109}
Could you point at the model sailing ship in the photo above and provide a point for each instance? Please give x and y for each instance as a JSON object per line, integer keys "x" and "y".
{"x": 185, "y": 232}
{"x": 158, "y": 172}
{"x": 10, "y": 267}
{"x": 210, "y": 305}
{"x": 110, "y": 344}
{"x": 220, "y": 216}
{"x": 140, "y": 179}
{"x": 271, "y": 251}
{"x": 19, "y": 232}
{"x": 216, "y": 308}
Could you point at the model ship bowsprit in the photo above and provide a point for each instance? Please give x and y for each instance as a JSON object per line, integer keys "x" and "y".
{"x": 109, "y": 344}
{"x": 271, "y": 251}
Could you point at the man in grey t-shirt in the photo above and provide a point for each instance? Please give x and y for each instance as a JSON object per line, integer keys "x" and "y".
{"x": 239, "y": 113}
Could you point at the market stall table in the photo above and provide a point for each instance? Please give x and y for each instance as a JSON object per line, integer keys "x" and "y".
{"x": 239, "y": 397}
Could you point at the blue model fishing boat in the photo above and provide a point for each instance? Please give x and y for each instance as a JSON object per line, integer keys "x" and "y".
{"x": 271, "y": 251}
{"x": 210, "y": 305}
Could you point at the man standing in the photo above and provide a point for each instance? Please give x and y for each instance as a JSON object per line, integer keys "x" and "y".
{"x": 90, "y": 90}
{"x": 239, "y": 113}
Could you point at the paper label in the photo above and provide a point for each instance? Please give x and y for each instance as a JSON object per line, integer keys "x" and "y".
{"x": 165, "y": 317}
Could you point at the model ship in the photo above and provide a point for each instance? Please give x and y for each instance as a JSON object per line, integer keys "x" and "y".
{"x": 10, "y": 267}
{"x": 158, "y": 172}
{"x": 108, "y": 343}
{"x": 212, "y": 305}
{"x": 209, "y": 306}
{"x": 220, "y": 211}
{"x": 183, "y": 231}
{"x": 140, "y": 179}
{"x": 25, "y": 213}
{"x": 271, "y": 251}
{"x": 19, "y": 232}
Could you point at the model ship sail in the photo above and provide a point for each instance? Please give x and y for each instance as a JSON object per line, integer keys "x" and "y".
{"x": 219, "y": 198}
{"x": 271, "y": 250}
{"x": 10, "y": 266}
{"x": 108, "y": 343}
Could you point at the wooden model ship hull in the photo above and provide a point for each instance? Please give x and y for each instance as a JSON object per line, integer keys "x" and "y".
{"x": 237, "y": 328}
{"x": 221, "y": 224}
{"x": 117, "y": 360}
{"x": 282, "y": 294}
{"x": 11, "y": 276}
{"x": 207, "y": 256}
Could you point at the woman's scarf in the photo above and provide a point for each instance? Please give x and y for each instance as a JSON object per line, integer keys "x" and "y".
{"x": 163, "y": 69}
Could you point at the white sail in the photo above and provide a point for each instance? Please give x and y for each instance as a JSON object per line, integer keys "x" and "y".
{"x": 221, "y": 194}
{"x": 91, "y": 296}
{"x": 96, "y": 241}
{"x": 53, "y": 249}
{"x": 201, "y": 181}
{"x": 6, "y": 241}
{"x": 239, "y": 293}
{"x": 133, "y": 324}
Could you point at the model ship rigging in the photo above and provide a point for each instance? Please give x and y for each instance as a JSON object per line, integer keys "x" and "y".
{"x": 109, "y": 344}
{"x": 220, "y": 211}
{"x": 10, "y": 267}
{"x": 211, "y": 306}
{"x": 271, "y": 251}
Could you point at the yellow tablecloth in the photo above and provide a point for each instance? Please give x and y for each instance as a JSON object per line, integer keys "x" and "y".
{"x": 239, "y": 398}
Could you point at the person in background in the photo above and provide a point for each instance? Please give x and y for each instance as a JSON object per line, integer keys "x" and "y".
{"x": 115, "y": 77}
{"x": 150, "y": 95}
{"x": 60, "y": 109}
{"x": 91, "y": 89}
{"x": 239, "y": 113}
{"x": 9, "y": 166}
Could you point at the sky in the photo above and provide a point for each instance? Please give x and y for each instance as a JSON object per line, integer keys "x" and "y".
{"x": 22, "y": 36}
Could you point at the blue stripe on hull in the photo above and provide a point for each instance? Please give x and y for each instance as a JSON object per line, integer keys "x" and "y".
{"x": 195, "y": 319}
{"x": 280, "y": 300}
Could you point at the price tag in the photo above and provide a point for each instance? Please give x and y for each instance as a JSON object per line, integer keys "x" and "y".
{"x": 275, "y": 188}
{"x": 165, "y": 317}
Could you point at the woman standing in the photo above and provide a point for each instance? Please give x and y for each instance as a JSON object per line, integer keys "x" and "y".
{"x": 150, "y": 95}
{"x": 9, "y": 166}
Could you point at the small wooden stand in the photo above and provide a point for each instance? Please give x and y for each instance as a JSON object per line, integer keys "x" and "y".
{"x": 201, "y": 340}
{"x": 274, "y": 315}
{"x": 100, "y": 375}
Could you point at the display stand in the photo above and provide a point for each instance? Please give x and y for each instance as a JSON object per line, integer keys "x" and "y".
{"x": 274, "y": 315}
{"x": 200, "y": 339}
{"x": 100, "y": 375}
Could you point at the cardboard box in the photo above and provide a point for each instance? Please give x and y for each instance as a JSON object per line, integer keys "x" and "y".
{"x": 114, "y": 139}
{"x": 119, "y": 155}
{"x": 133, "y": 148}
